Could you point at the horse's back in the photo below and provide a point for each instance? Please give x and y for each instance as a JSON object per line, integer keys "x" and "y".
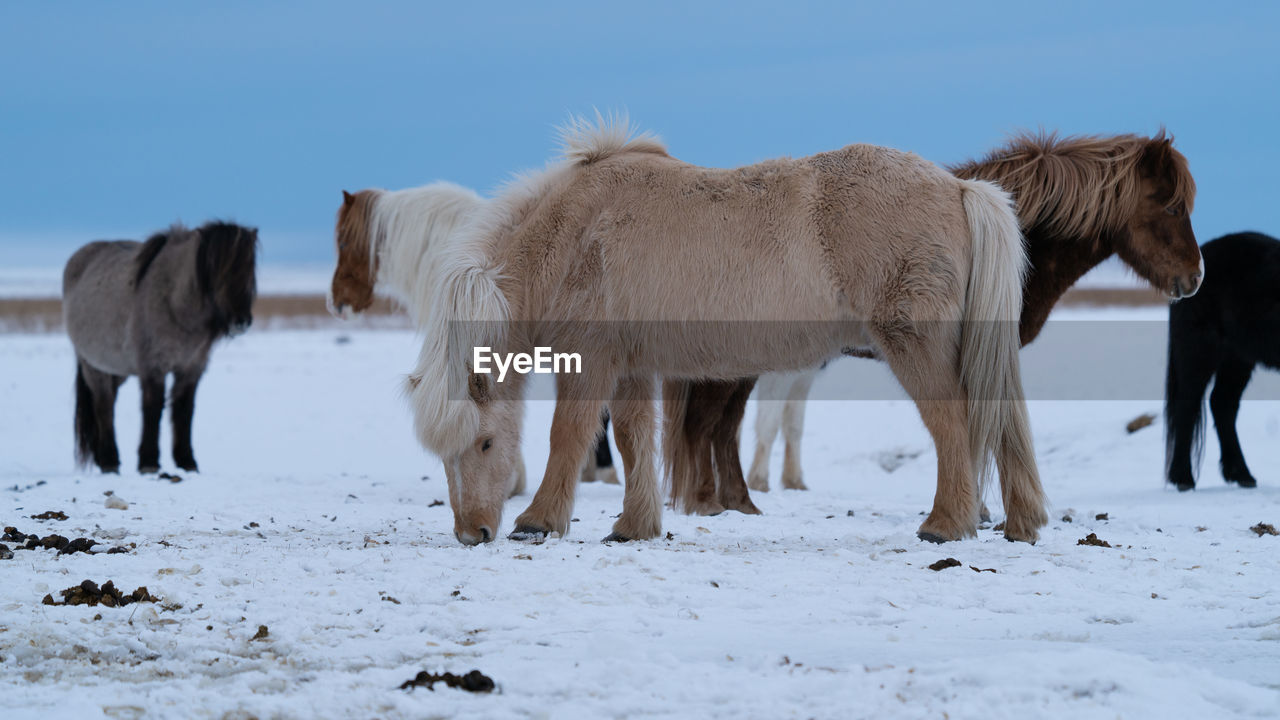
{"x": 1239, "y": 300}
{"x": 97, "y": 257}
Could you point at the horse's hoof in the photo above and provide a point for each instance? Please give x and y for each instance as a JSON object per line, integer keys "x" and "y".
{"x": 1244, "y": 482}
{"x": 930, "y": 537}
{"x": 148, "y": 469}
{"x": 110, "y": 469}
{"x": 1183, "y": 487}
{"x": 525, "y": 533}
{"x": 705, "y": 509}
{"x": 615, "y": 537}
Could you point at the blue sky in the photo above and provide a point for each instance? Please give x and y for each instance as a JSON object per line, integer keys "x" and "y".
{"x": 117, "y": 119}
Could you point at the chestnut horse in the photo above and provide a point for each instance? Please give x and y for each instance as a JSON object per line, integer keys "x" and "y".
{"x": 1080, "y": 200}
{"x": 647, "y": 266}
{"x": 387, "y": 242}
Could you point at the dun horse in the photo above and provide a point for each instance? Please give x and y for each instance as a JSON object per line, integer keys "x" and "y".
{"x": 647, "y": 266}
{"x": 1080, "y": 201}
{"x": 150, "y": 309}
{"x": 1228, "y": 328}
{"x": 388, "y": 241}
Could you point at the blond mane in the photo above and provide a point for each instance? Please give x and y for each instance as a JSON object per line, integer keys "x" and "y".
{"x": 1080, "y": 186}
{"x": 584, "y": 141}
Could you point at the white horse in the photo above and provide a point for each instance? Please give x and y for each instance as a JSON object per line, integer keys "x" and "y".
{"x": 388, "y": 241}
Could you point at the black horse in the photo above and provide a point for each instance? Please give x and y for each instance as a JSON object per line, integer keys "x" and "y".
{"x": 1220, "y": 333}
{"x": 150, "y": 309}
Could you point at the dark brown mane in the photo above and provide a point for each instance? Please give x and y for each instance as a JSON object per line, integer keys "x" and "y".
{"x": 225, "y": 271}
{"x": 150, "y": 249}
{"x": 1081, "y": 186}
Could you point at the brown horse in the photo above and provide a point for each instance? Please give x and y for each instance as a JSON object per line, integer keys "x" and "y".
{"x": 1080, "y": 200}
{"x": 647, "y": 266}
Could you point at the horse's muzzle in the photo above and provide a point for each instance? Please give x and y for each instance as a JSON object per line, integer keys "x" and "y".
{"x": 1185, "y": 287}
{"x": 239, "y": 327}
{"x": 480, "y": 535}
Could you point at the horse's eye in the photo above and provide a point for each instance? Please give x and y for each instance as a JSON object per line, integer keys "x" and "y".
{"x": 1172, "y": 210}
{"x": 488, "y": 443}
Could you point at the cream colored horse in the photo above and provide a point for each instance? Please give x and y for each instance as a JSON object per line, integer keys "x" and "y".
{"x": 648, "y": 266}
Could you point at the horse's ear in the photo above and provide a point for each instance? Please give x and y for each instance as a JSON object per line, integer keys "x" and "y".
{"x": 347, "y": 198}
{"x": 478, "y": 388}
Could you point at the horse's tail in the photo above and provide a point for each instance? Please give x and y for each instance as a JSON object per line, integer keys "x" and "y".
{"x": 999, "y": 427}
{"x": 1192, "y": 413}
{"x": 86, "y": 423}
{"x": 680, "y": 469}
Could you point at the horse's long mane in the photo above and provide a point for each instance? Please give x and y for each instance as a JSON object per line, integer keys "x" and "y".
{"x": 226, "y": 260}
{"x": 584, "y": 141}
{"x": 150, "y": 249}
{"x": 1080, "y": 186}
{"x": 408, "y": 230}
{"x": 468, "y": 307}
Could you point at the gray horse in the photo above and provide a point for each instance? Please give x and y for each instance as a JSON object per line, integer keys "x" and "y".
{"x": 150, "y": 309}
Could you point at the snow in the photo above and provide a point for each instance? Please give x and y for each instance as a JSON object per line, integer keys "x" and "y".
{"x": 806, "y": 611}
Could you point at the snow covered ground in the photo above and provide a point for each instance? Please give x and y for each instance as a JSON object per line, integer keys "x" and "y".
{"x": 315, "y": 515}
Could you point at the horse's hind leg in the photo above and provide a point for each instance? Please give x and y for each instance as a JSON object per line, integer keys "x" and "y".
{"x": 732, "y": 491}
{"x": 793, "y": 430}
{"x": 633, "y": 427}
{"x": 1191, "y": 367}
{"x": 925, "y": 362}
{"x": 183, "y": 408}
{"x": 152, "y": 407}
{"x": 1233, "y": 375}
{"x": 768, "y": 419}
{"x": 102, "y": 389}
{"x": 573, "y": 428}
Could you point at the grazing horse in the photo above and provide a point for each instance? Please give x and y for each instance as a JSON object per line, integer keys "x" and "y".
{"x": 1228, "y": 328}
{"x": 647, "y": 266}
{"x": 387, "y": 241}
{"x": 150, "y": 309}
{"x": 1080, "y": 200}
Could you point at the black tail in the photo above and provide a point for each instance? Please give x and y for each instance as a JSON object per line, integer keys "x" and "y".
{"x": 86, "y": 425}
{"x": 1183, "y": 405}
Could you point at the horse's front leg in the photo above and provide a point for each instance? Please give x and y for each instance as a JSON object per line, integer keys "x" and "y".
{"x": 633, "y": 427}
{"x": 579, "y": 399}
{"x": 732, "y": 487}
{"x": 152, "y": 407}
{"x": 182, "y": 409}
{"x": 1228, "y": 387}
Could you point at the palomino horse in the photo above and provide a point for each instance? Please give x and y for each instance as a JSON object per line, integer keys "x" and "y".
{"x": 647, "y": 266}
{"x": 150, "y": 309}
{"x": 1080, "y": 200}
{"x": 387, "y": 242}
{"x": 1229, "y": 327}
